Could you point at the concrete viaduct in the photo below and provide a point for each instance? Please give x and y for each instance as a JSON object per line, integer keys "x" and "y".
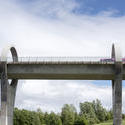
{"x": 77, "y": 70}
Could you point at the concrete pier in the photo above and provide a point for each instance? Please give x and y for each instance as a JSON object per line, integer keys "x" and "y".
{"x": 117, "y": 86}
{"x": 8, "y": 90}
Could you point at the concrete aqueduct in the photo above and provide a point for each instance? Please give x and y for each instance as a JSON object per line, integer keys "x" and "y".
{"x": 81, "y": 70}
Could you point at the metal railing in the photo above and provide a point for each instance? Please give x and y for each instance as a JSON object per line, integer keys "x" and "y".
{"x": 61, "y": 59}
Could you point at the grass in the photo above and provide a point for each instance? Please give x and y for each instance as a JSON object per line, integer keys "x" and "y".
{"x": 110, "y": 123}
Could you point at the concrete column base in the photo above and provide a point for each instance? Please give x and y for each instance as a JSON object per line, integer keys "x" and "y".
{"x": 7, "y": 106}
{"x": 8, "y": 92}
{"x": 117, "y": 103}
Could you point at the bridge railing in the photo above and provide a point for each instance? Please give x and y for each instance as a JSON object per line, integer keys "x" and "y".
{"x": 62, "y": 59}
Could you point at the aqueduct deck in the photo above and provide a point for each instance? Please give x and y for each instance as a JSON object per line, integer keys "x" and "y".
{"x": 82, "y": 68}
{"x": 62, "y": 70}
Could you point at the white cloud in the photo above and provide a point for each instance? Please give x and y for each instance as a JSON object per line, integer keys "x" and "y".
{"x": 69, "y": 35}
{"x": 51, "y": 95}
{"x": 52, "y": 8}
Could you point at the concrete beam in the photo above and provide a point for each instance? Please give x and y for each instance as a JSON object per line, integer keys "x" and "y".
{"x": 61, "y": 71}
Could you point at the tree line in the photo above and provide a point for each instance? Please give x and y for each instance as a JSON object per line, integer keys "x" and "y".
{"x": 90, "y": 113}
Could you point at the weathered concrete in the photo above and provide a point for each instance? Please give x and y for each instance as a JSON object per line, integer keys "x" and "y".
{"x": 117, "y": 87}
{"x": 61, "y": 71}
{"x": 8, "y": 91}
{"x": 114, "y": 71}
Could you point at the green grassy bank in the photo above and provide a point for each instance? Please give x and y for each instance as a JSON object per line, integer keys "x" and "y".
{"x": 110, "y": 123}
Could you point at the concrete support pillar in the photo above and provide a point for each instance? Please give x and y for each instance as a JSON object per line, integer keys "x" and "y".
{"x": 8, "y": 91}
{"x": 117, "y": 86}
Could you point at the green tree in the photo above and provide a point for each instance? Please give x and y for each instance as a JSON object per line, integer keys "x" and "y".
{"x": 41, "y": 116}
{"x": 99, "y": 110}
{"x": 24, "y": 117}
{"x": 54, "y": 119}
{"x": 68, "y": 114}
{"x": 17, "y": 116}
{"x": 87, "y": 110}
{"x": 46, "y": 118}
{"x": 90, "y": 113}
{"x": 81, "y": 120}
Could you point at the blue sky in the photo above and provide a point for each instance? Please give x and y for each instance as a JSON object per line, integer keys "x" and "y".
{"x": 62, "y": 28}
{"x": 84, "y": 7}
{"x": 94, "y": 7}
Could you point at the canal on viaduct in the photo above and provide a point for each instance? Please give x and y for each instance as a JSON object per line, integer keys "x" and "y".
{"x": 61, "y": 68}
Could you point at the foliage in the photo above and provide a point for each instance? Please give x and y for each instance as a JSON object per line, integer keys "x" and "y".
{"x": 68, "y": 114}
{"x": 81, "y": 120}
{"x": 90, "y": 114}
{"x": 25, "y": 117}
{"x": 87, "y": 110}
{"x": 99, "y": 110}
{"x": 52, "y": 119}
